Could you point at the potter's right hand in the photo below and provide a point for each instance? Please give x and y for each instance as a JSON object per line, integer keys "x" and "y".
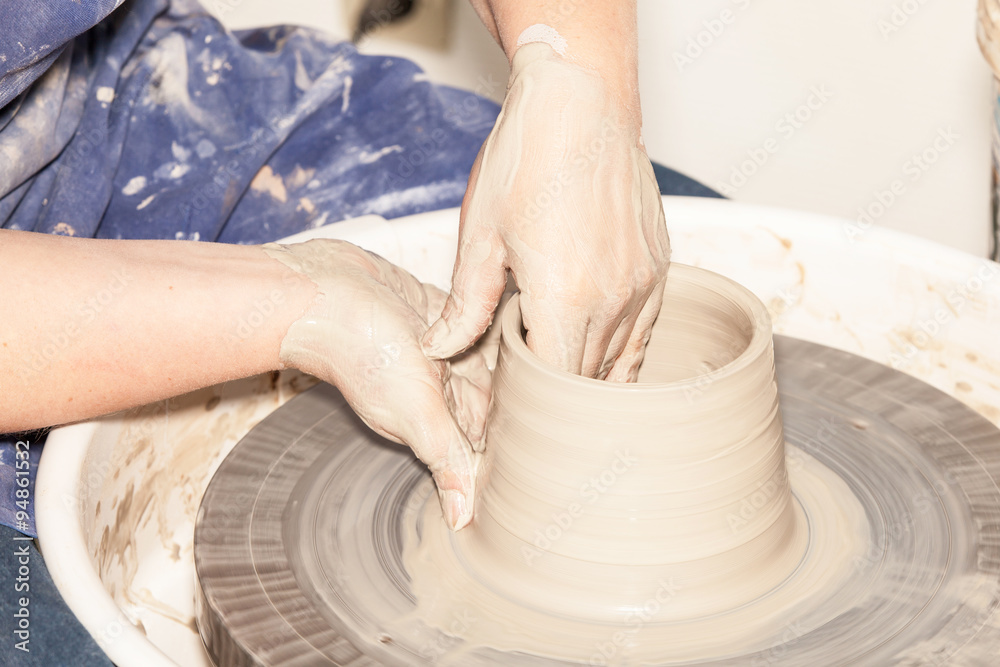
{"x": 362, "y": 334}
{"x": 563, "y": 195}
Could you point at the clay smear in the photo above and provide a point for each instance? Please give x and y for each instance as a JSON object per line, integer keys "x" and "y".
{"x": 648, "y": 523}
{"x": 545, "y": 34}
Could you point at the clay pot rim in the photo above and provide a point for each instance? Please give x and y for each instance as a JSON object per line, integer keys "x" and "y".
{"x": 760, "y": 340}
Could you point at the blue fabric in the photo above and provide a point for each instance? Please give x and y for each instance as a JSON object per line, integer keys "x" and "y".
{"x": 157, "y": 123}
{"x": 34, "y": 34}
{"x": 675, "y": 183}
{"x": 19, "y": 455}
{"x": 37, "y": 627}
{"x": 179, "y": 117}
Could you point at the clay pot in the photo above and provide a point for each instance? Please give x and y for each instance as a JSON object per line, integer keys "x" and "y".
{"x": 596, "y": 498}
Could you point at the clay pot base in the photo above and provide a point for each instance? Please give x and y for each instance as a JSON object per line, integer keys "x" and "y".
{"x": 299, "y": 546}
{"x": 448, "y": 583}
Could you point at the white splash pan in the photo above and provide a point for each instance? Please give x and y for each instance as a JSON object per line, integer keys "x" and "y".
{"x": 116, "y": 499}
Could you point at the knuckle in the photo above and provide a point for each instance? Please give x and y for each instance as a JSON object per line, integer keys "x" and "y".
{"x": 649, "y": 273}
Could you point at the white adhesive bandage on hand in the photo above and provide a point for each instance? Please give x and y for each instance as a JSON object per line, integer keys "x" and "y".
{"x": 362, "y": 334}
{"x": 562, "y": 194}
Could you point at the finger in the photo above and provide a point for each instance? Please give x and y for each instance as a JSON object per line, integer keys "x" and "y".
{"x": 626, "y": 366}
{"x": 438, "y": 441}
{"x": 477, "y": 285}
{"x": 429, "y": 427}
{"x": 406, "y": 286}
{"x": 554, "y": 337}
{"x": 468, "y": 392}
{"x": 468, "y": 312}
{"x": 606, "y": 344}
{"x": 402, "y": 396}
{"x": 436, "y": 298}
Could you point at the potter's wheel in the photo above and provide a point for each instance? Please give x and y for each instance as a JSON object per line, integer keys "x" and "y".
{"x": 298, "y": 543}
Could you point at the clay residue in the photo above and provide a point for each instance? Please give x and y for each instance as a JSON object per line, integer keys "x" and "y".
{"x": 299, "y": 177}
{"x": 152, "y": 486}
{"x": 267, "y": 182}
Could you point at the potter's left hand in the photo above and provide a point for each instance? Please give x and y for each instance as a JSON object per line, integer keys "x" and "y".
{"x": 362, "y": 335}
{"x": 564, "y": 196}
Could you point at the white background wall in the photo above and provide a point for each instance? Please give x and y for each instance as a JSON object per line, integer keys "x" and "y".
{"x": 890, "y": 94}
{"x": 886, "y": 96}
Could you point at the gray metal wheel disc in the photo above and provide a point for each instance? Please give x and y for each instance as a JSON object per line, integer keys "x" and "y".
{"x": 300, "y": 530}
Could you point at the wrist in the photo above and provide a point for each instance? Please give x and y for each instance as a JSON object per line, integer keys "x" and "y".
{"x": 612, "y": 83}
{"x": 595, "y": 34}
{"x": 286, "y": 295}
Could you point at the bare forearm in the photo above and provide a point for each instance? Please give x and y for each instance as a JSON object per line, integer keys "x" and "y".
{"x": 94, "y": 326}
{"x": 598, "y": 34}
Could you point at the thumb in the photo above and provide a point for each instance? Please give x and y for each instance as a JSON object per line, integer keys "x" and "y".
{"x": 455, "y": 479}
{"x": 440, "y": 443}
{"x": 477, "y": 285}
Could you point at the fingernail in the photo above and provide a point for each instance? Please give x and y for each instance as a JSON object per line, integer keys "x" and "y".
{"x": 456, "y": 509}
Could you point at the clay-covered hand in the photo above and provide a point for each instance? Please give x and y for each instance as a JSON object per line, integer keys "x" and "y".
{"x": 362, "y": 334}
{"x": 562, "y": 194}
